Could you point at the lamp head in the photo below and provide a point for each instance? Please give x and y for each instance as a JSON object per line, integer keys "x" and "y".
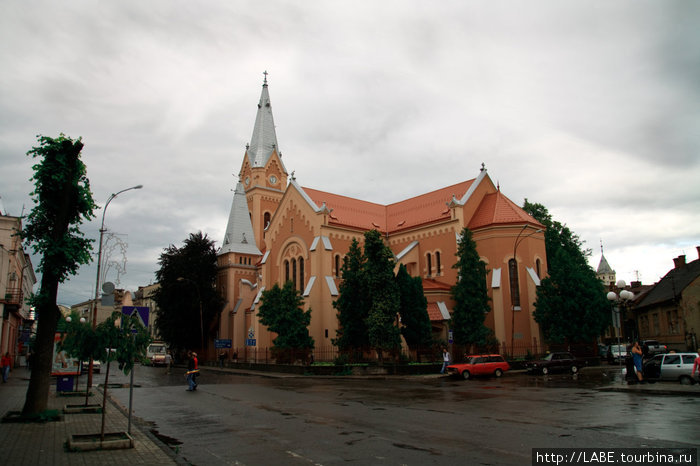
{"x": 612, "y": 296}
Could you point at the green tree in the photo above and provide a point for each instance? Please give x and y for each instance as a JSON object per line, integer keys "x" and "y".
{"x": 470, "y": 295}
{"x": 352, "y": 302}
{"x": 282, "y": 312}
{"x": 120, "y": 338}
{"x": 383, "y": 294}
{"x": 571, "y": 306}
{"x": 413, "y": 308}
{"x": 187, "y": 276}
{"x": 63, "y": 201}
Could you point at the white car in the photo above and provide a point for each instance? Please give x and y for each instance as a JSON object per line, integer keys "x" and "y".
{"x": 671, "y": 366}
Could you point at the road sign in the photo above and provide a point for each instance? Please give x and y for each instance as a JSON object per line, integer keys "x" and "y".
{"x": 222, "y": 343}
{"x": 250, "y": 342}
{"x": 141, "y": 313}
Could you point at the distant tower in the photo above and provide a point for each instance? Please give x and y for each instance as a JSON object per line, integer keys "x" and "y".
{"x": 605, "y": 273}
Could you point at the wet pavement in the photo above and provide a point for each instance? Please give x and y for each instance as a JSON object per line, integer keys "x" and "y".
{"x": 238, "y": 417}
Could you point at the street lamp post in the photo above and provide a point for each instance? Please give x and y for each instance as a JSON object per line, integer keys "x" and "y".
{"x": 518, "y": 240}
{"x": 621, "y": 300}
{"x": 201, "y": 319}
{"x": 99, "y": 266}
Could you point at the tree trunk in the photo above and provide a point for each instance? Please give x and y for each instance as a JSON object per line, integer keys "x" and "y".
{"x": 38, "y": 390}
{"x": 104, "y": 403}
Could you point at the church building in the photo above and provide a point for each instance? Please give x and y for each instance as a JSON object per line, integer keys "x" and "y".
{"x": 280, "y": 231}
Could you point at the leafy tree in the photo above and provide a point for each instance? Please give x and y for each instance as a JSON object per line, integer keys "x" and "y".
{"x": 571, "y": 306}
{"x": 63, "y": 201}
{"x": 186, "y": 278}
{"x": 413, "y": 308}
{"x": 282, "y": 312}
{"x": 383, "y": 294}
{"x": 470, "y": 295}
{"x": 120, "y": 338}
{"x": 352, "y": 302}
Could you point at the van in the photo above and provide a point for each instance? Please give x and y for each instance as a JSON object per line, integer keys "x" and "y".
{"x": 671, "y": 366}
{"x": 617, "y": 354}
{"x": 157, "y": 353}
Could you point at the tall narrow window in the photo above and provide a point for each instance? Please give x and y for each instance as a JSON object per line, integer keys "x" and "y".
{"x": 266, "y": 220}
{"x": 537, "y": 266}
{"x": 514, "y": 284}
{"x": 294, "y": 272}
{"x": 337, "y": 265}
{"x": 301, "y": 274}
{"x": 430, "y": 264}
{"x": 437, "y": 263}
{"x": 286, "y": 271}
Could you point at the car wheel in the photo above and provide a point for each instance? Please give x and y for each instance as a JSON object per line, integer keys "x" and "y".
{"x": 498, "y": 372}
{"x": 685, "y": 380}
{"x": 545, "y": 370}
{"x": 574, "y": 369}
{"x": 466, "y": 375}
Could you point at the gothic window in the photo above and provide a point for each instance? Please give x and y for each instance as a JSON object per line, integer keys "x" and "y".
{"x": 430, "y": 264}
{"x": 301, "y": 274}
{"x": 294, "y": 272}
{"x": 437, "y": 263}
{"x": 537, "y": 267}
{"x": 266, "y": 220}
{"x": 337, "y": 265}
{"x": 286, "y": 271}
{"x": 514, "y": 284}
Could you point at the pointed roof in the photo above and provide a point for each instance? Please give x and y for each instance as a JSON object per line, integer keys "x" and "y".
{"x": 264, "y": 139}
{"x": 239, "y": 237}
{"x": 672, "y": 285}
{"x": 603, "y": 266}
{"x": 497, "y": 209}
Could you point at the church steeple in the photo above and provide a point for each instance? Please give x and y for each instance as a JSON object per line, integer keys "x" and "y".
{"x": 264, "y": 140}
{"x": 239, "y": 237}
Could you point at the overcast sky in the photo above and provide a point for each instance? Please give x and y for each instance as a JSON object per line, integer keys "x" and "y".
{"x": 591, "y": 108}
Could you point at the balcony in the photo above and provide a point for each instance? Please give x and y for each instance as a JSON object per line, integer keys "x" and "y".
{"x": 12, "y": 298}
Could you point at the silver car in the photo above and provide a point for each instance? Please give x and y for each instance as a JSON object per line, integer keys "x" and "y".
{"x": 671, "y": 366}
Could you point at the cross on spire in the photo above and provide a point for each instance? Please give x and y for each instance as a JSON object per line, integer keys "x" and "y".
{"x": 265, "y": 79}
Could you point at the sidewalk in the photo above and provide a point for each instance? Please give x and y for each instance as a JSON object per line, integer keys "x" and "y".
{"x": 28, "y": 444}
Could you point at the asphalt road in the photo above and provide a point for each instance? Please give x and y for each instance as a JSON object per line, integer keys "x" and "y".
{"x": 256, "y": 420}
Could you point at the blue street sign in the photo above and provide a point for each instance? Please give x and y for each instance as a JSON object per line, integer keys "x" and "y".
{"x": 141, "y": 313}
{"x": 250, "y": 342}
{"x": 222, "y": 343}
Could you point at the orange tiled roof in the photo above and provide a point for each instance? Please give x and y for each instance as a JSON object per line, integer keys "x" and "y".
{"x": 497, "y": 209}
{"x": 430, "y": 284}
{"x": 418, "y": 210}
{"x": 434, "y": 313}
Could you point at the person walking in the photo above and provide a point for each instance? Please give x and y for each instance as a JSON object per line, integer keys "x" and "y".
{"x": 696, "y": 365}
{"x": 637, "y": 360}
{"x": 445, "y": 360}
{"x": 191, "y": 371}
{"x": 6, "y": 362}
{"x": 222, "y": 358}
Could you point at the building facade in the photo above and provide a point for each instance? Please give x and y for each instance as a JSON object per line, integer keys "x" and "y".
{"x": 279, "y": 231}
{"x": 17, "y": 282}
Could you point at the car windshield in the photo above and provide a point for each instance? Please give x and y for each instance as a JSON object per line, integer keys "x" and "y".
{"x": 615, "y": 349}
{"x": 549, "y": 357}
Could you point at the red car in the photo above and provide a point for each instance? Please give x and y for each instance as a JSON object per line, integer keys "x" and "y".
{"x": 481, "y": 364}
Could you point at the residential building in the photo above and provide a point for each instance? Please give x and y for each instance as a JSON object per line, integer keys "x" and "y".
{"x": 280, "y": 231}
{"x": 17, "y": 282}
{"x": 670, "y": 311}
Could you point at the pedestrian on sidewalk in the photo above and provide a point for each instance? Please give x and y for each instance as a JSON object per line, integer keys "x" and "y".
{"x": 445, "y": 360}
{"x": 6, "y": 362}
{"x": 637, "y": 359}
{"x": 696, "y": 365}
{"x": 222, "y": 357}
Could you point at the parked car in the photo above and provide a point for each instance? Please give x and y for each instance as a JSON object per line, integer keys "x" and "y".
{"x": 480, "y": 364}
{"x": 617, "y": 354}
{"x": 556, "y": 362}
{"x": 671, "y": 366}
{"x": 651, "y": 348}
{"x": 86, "y": 366}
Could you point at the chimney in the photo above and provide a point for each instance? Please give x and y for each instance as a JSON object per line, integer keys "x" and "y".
{"x": 679, "y": 261}
{"x": 636, "y": 284}
{"x": 697, "y": 248}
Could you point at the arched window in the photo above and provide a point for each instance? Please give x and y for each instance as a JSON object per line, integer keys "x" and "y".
{"x": 294, "y": 272}
{"x": 337, "y": 266}
{"x": 266, "y": 220}
{"x": 430, "y": 264}
{"x": 514, "y": 284}
{"x": 301, "y": 274}
{"x": 437, "y": 263}
{"x": 537, "y": 267}
{"x": 286, "y": 271}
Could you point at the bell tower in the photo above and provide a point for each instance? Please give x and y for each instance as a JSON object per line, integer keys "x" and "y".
{"x": 263, "y": 173}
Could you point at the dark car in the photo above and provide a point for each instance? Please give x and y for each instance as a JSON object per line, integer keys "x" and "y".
{"x": 651, "y": 348}
{"x": 556, "y": 362}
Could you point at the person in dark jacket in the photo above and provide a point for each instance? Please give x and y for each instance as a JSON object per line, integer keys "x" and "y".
{"x": 192, "y": 371}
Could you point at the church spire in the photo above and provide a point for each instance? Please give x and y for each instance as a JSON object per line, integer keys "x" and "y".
{"x": 239, "y": 237}
{"x": 264, "y": 140}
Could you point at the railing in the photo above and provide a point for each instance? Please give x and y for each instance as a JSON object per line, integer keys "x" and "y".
{"x": 12, "y": 296}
